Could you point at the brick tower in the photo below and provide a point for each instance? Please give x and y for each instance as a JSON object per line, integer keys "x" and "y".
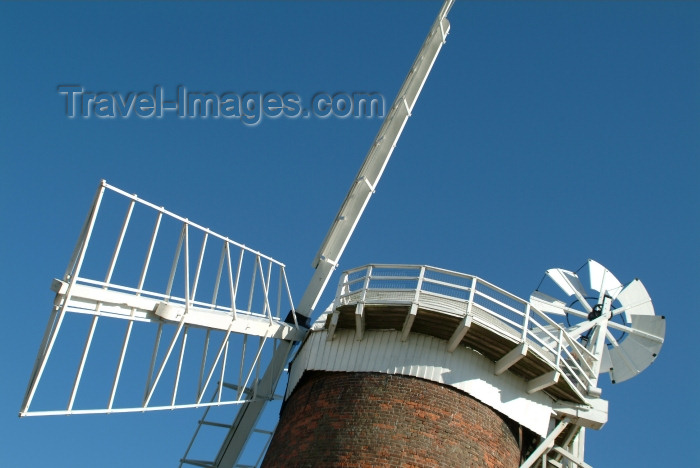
{"x": 374, "y": 419}
{"x": 416, "y": 366}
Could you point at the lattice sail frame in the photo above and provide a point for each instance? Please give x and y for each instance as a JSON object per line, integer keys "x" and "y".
{"x": 150, "y": 288}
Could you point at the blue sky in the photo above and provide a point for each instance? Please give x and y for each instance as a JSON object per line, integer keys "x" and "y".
{"x": 548, "y": 133}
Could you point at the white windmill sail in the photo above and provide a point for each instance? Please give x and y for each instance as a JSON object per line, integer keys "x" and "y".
{"x": 346, "y": 220}
{"x": 183, "y": 299}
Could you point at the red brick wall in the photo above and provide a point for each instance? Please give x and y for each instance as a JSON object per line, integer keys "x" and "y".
{"x": 367, "y": 419}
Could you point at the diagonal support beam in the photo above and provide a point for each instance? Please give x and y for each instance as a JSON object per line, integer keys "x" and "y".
{"x": 466, "y": 322}
{"x": 359, "y": 321}
{"x": 513, "y": 356}
{"x": 408, "y": 322}
{"x": 546, "y": 444}
{"x": 543, "y": 381}
{"x": 459, "y": 333}
{"x": 333, "y": 324}
{"x": 569, "y": 456}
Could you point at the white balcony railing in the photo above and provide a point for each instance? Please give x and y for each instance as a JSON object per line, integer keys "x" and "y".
{"x": 458, "y": 294}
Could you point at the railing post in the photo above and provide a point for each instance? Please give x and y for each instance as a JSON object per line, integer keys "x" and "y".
{"x": 419, "y": 287}
{"x": 560, "y": 339}
{"x": 365, "y": 285}
{"x": 342, "y": 284}
{"x": 411, "y": 316}
{"x": 472, "y": 290}
{"x": 343, "y": 289}
{"x": 526, "y": 322}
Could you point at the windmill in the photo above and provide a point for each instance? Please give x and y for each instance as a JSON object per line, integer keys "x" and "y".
{"x": 196, "y": 289}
